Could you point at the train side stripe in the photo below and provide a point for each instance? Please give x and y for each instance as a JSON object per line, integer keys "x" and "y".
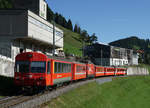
{"x": 61, "y": 80}
{"x": 79, "y": 73}
{"x": 99, "y": 72}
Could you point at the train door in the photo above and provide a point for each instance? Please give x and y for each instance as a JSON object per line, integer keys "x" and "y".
{"x": 48, "y": 76}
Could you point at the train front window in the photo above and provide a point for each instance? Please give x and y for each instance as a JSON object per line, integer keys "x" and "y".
{"x": 22, "y": 66}
{"x": 38, "y": 67}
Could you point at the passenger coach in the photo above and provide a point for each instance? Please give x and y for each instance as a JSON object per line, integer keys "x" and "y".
{"x": 37, "y": 70}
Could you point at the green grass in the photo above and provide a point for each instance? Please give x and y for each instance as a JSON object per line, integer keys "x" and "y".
{"x": 72, "y": 42}
{"x": 131, "y": 92}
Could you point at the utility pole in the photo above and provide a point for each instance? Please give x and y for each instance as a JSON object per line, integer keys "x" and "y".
{"x": 101, "y": 55}
{"x": 54, "y": 38}
{"x": 83, "y": 45}
{"x": 111, "y": 52}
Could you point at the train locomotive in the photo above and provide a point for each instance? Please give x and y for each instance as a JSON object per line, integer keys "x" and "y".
{"x": 33, "y": 69}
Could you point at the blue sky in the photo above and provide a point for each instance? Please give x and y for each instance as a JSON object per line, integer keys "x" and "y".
{"x": 109, "y": 19}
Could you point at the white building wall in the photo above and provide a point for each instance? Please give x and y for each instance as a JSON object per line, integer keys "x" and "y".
{"x": 41, "y": 30}
{"x": 118, "y": 62}
{"x": 135, "y": 61}
{"x": 26, "y": 24}
{"x": 111, "y": 62}
{"x": 135, "y": 58}
{"x": 42, "y": 9}
{"x": 18, "y": 30}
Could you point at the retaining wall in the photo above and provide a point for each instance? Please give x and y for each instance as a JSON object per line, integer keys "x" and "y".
{"x": 137, "y": 71}
{"x": 6, "y": 67}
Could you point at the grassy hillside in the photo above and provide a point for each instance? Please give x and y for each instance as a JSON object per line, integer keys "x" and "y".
{"x": 72, "y": 42}
{"x": 131, "y": 92}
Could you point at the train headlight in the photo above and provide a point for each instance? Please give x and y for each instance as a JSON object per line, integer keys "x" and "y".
{"x": 17, "y": 78}
{"x": 30, "y": 76}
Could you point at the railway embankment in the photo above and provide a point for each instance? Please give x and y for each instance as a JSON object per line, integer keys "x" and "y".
{"x": 123, "y": 92}
{"x": 103, "y": 80}
{"x": 35, "y": 102}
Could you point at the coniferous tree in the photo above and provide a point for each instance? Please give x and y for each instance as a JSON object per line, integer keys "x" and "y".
{"x": 50, "y": 14}
{"x": 75, "y": 28}
{"x": 60, "y": 19}
{"x": 56, "y": 17}
{"x": 64, "y": 23}
{"x": 88, "y": 39}
{"x": 93, "y": 38}
{"x": 69, "y": 25}
{"x": 84, "y": 35}
{"x": 6, "y": 4}
{"x": 79, "y": 30}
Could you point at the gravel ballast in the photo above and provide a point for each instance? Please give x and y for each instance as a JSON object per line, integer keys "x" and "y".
{"x": 51, "y": 95}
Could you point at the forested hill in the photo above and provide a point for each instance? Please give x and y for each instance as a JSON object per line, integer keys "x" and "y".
{"x": 136, "y": 44}
{"x": 132, "y": 43}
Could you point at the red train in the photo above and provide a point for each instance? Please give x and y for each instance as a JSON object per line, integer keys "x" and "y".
{"x": 37, "y": 70}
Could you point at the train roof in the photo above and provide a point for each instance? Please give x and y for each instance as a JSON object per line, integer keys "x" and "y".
{"x": 25, "y": 55}
{"x": 64, "y": 59}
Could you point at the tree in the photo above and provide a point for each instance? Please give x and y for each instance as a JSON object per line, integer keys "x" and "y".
{"x": 75, "y": 28}
{"x": 88, "y": 39}
{"x": 64, "y": 23}
{"x": 69, "y": 25}
{"x": 79, "y": 30}
{"x": 93, "y": 38}
{"x": 6, "y": 4}
{"x": 50, "y": 14}
{"x": 84, "y": 36}
{"x": 60, "y": 19}
{"x": 56, "y": 17}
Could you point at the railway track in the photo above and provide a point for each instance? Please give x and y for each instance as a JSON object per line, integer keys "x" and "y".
{"x": 9, "y": 102}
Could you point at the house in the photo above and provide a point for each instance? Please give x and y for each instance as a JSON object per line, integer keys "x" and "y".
{"x": 106, "y": 55}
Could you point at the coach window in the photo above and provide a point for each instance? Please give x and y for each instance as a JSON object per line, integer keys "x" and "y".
{"x": 56, "y": 67}
{"x": 62, "y": 67}
{"x": 66, "y": 67}
{"x": 38, "y": 67}
{"x": 64, "y": 70}
{"x": 69, "y": 67}
{"x": 59, "y": 68}
{"x": 22, "y": 66}
{"x": 48, "y": 68}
